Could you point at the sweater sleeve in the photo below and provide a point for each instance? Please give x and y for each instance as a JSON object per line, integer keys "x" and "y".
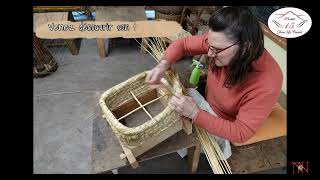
{"x": 255, "y": 108}
{"x": 187, "y": 46}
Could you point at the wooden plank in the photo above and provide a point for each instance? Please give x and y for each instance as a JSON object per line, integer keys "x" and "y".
{"x": 101, "y": 47}
{"x": 176, "y": 142}
{"x": 58, "y": 8}
{"x": 71, "y": 45}
{"x": 193, "y": 158}
{"x": 187, "y": 125}
{"x": 152, "y": 142}
{"x": 126, "y": 107}
{"x": 141, "y": 105}
{"x": 132, "y": 160}
{"x": 42, "y": 18}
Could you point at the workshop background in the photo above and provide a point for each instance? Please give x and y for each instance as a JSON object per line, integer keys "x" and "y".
{"x": 71, "y": 74}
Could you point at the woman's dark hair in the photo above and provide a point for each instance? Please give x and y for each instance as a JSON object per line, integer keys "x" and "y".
{"x": 239, "y": 24}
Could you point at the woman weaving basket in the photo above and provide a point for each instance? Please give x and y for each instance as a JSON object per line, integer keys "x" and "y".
{"x": 243, "y": 82}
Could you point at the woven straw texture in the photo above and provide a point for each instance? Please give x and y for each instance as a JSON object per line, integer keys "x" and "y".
{"x": 121, "y": 93}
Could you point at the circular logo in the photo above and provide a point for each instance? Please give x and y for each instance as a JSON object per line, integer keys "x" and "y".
{"x": 289, "y": 22}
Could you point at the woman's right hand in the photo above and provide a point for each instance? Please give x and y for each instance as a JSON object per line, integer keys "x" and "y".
{"x": 154, "y": 75}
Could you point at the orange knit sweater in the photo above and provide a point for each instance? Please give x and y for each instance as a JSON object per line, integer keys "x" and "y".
{"x": 241, "y": 109}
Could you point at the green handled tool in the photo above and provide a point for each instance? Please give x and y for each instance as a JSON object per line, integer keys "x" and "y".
{"x": 196, "y": 72}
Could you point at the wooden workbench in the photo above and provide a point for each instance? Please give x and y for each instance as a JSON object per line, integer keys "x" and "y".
{"x": 117, "y": 13}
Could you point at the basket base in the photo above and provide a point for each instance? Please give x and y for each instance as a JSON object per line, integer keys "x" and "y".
{"x": 152, "y": 142}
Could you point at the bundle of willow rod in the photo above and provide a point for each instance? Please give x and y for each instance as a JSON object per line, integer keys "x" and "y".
{"x": 155, "y": 47}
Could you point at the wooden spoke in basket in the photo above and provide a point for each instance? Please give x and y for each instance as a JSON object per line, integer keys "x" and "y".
{"x": 141, "y": 106}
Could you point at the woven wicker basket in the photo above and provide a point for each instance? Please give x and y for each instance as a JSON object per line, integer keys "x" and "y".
{"x": 43, "y": 62}
{"x": 121, "y": 93}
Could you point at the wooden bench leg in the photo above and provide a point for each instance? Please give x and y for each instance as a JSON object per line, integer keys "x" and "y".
{"x": 187, "y": 126}
{"x": 101, "y": 47}
{"x": 72, "y": 46}
{"x": 128, "y": 153}
{"x": 193, "y": 158}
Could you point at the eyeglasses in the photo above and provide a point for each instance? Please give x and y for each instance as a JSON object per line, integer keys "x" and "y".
{"x": 216, "y": 51}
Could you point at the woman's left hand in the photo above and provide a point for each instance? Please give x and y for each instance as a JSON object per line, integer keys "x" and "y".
{"x": 184, "y": 105}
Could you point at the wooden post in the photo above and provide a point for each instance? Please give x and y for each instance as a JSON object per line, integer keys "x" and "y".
{"x": 187, "y": 125}
{"x": 101, "y": 47}
{"x": 72, "y": 46}
{"x": 128, "y": 153}
{"x": 193, "y": 158}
